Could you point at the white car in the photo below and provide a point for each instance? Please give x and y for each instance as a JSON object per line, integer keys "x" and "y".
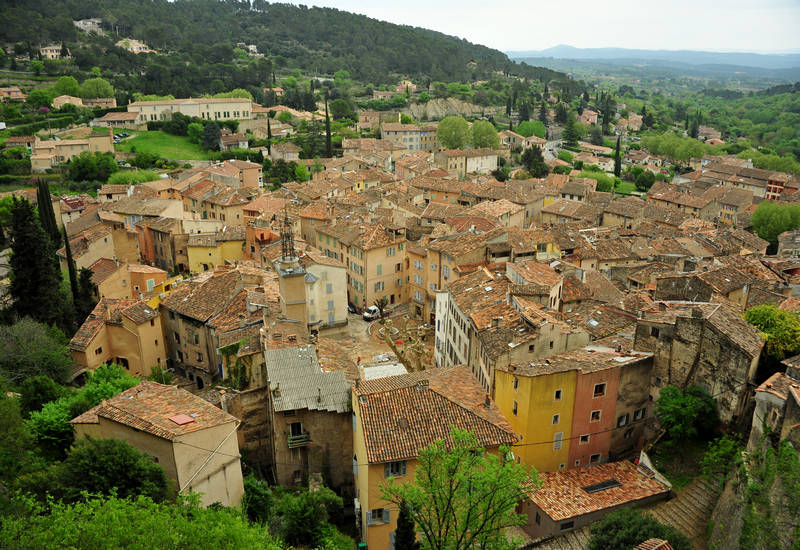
{"x": 371, "y": 313}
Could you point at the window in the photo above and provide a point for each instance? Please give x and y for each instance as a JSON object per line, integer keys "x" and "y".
{"x": 551, "y": 344}
{"x": 390, "y": 251}
{"x": 538, "y": 519}
{"x": 577, "y": 462}
{"x": 584, "y": 439}
{"x": 557, "y": 395}
{"x": 556, "y": 419}
{"x": 171, "y": 315}
{"x": 200, "y": 357}
{"x": 514, "y": 409}
{"x": 639, "y": 414}
{"x": 557, "y": 438}
{"x": 378, "y": 515}
{"x": 379, "y": 269}
{"x": 594, "y": 416}
{"x": 330, "y": 304}
{"x": 329, "y": 288}
{"x": 600, "y": 390}
{"x": 654, "y": 332}
{"x": 594, "y": 459}
{"x": 446, "y": 272}
{"x": 395, "y": 469}
{"x": 156, "y": 342}
{"x": 98, "y": 351}
{"x": 379, "y": 286}
{"x": 623, "y": 419}
{"x": 516, "y": 382}
{"x": 628, "y": 433}
{"x": 177, "y": 337}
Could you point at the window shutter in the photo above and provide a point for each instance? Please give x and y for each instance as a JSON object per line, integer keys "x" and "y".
{"x": 403, "y": 468}
{"x": 369, "y": 517}
{"x": 386, "y": 472}
{"x": 386, "y": 515}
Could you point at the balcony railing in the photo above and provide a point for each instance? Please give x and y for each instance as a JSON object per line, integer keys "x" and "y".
{"x": 298, "y": 440}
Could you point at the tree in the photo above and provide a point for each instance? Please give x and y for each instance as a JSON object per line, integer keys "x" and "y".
{"x": 543, "y": 112}
{"x": 381, "y": 303}
{"x": 36, "y": 391}
{"x": 17, "y": 454}
{"x": 194, "y": 131}
{"x": 96, "y": 87}
{"x": 484, "y": 134}
{"x": 35, "y": 276}
{"x": 617, "y": 160}
{"x": 90, "y": 166}
{"x": 130, "y": 523}
{"x": 66, "y": 85}
{"x": 534, "y": 163}
{"x": 40, "y": 98}
{"x": 596, "y": 136}
{"x": 770, "y": 219}
{"x": 328, "y": 149}
{"x": 463, "y": 496}
{"x": 340, "y": 109}
{"x": 626, "y": 528}
{"x": 211, "y": 135}
{"x": 37, "y": 67}
{"x": 571, "y": 133}
{"x": 780, "y": 329}
{"x": 258, "y": 500}
{"x": 531, "y": 128}
{"x": 73, "y": 275}
{"x": 645, "y": 180}
{"x": 561, "y": 114}
{"x": 524, "y": 111}
{"x": 302, "y": 519}
{"x": 686, "y": 414}
{"x": 47, "y": 216}
{"x": 84, "y": 300}
{"x": 405, "y": 535}
{"x": 406, "y": 119}
{"x": 101, "y": 466}
{"x": 33, "y": 349}
{"x": 453, "y": 132}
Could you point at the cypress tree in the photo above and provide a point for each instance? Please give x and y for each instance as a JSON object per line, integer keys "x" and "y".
{"x": 47, "y": 216}
{"x": 73, "y": 276}
{"x": 543, "y": 112}
{"x": 269, "y": 135}
{"x": 617, "y": 161}
{"x": 84, "y": 299}
{"x": 405, "y": 536}
{"x": 328, "y": 150}
{"x": 35, "y": 276}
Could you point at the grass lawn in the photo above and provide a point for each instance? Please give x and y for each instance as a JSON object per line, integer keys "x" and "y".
{"x": 163, "y": 145}
{"x": 679, "y": 462}
{"x": 627, "y": 187}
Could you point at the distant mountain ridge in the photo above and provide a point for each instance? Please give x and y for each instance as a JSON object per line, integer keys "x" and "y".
{"x": 689, "y": 57}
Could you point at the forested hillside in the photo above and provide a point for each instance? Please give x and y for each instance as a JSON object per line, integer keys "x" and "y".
{"x": 321, "y": 40}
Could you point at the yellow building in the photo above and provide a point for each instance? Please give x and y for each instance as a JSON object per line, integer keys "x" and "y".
{"x": 194, "y": 441}
{"x": 424, "y": 406}
{"x": 49, "y": 153}
{"x": 127, "y": 332}
{"x": 207, "y": 250}
{"x": 209, "y": 108}
{"x": 538, "y": 403}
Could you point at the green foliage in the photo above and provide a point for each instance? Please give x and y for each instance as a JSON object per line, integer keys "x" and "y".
{"x": 161, "y": 375}
{"x": 210, "y": 137}
{"x": 771, "y": 219}
{"x": 90, "y": 166}
{"x": 686, "y": 414}
{"x": 604, "y": 183}
{"x": 571, "y": 132}
{"x": 36, "y": 391}
{"x": 300, "y": 173}
{"x": 645, "y": 180}
{"x": 194, "y": 131}
{"x": 258, "y": 501}
{"x": 236, "y": 92}
{"x": 484, "y": 134}
{"x": 406, "y": 119}
{"x": 340, "y": 109}
{"x": 37, "y": 67}
{"x": 781, "y": 329}
{"x": 32, "y": 349}
{"x": 721, "y": 458}
{"x": 35, "y": 276}
{"x": 626, "y": 528}
{"x": 771, "y": 161}
{"x": 66, "y": 85}
{"x": 40, "y": 98}
{"x": 303, "y": 518}
{"x": 130, "y": 523}
{"x": 533, "y": 161}
{"x": 459, "y": 475}
{"x": 17, "y": 454}
{"x": 453, "y": 132}
{"x": 677, "y": 149}
{"x": 566, "y": 156}
{"x": 531, "y": 128}
{"x": 98, "y": 467}
{"x": 405, "y": 535}
{"x": 51, "y": 427}
{"x": 96, "y": 87}
{"x": 596, "y": 135}
{"x": 131, "y": 177}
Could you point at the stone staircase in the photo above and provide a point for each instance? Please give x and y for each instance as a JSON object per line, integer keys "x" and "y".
{"x": 688, "y": 512}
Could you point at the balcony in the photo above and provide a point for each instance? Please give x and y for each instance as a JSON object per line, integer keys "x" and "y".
{"x": 298, "y": 440}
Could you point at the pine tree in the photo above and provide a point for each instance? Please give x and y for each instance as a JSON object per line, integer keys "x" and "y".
{"x": 35, "y": 277}
{"x": 405, "y": 536}
{"x": 543, "y": 112}
{"x": 570, "y": 134}
{"x": 328, "y": 150}
{"x": 47, "y": 216}
{"x": 617, "y": 161}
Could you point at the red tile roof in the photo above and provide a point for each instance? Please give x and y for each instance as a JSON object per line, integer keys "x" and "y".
{"x": 401, "y": 415}
{"x": 563, "y": 495}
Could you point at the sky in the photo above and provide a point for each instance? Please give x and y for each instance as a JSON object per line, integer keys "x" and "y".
{"x": 761, "y": 26}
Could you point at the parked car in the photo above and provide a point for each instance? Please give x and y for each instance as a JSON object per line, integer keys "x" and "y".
{"x": 371, "y": 313}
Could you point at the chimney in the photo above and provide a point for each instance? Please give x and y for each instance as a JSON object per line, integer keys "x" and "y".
{"x": 423, "y": 384}
{"x": 697, "y": 313}
{"x": 488, "y": 401}
{"x": 496, "y": 321}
